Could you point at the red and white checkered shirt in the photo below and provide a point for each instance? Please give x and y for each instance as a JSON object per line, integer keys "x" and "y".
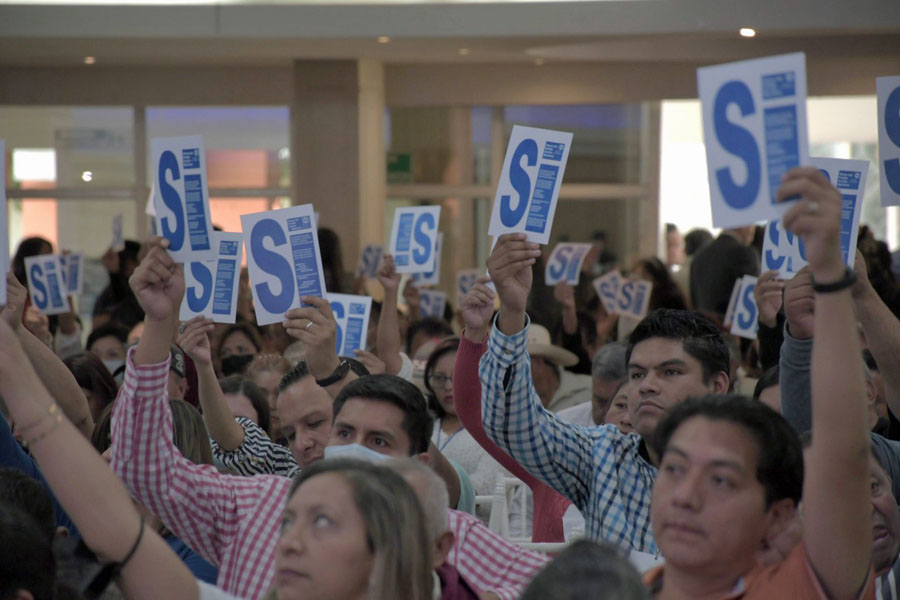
{"x": 233, "y": 522}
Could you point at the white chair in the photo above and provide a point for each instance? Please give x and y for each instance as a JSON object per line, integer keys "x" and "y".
{"x": 509, "y": 492}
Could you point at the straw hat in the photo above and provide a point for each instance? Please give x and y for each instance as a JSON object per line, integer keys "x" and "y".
{"x": 539, "y": 345}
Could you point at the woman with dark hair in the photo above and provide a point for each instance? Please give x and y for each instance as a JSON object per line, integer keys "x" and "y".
{"x": 665, "y": 293}
{"x": 237, "y": 347}
{"x": 95, "y": 380}
{"x": 450, "y": 437}
{"x": 32, "y": 246}
{"x": 332, "y": 261}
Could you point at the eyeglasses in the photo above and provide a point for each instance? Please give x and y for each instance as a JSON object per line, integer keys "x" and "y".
{"x": 438, "y": 380}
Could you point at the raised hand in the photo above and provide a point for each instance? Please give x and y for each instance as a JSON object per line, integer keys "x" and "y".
{"x": 375, "y": 365}
{"x": 476, "y": 308}
{"x": 768, "y": 296}
{"x": 510, "y": 268}
{"x": 816, "y": 219}
{"x": 799, "y": 305}
{"x": 387, "y": 274}
{"x": 158, "y": 282}
{"x": 565, "y": 295}
{"x": 411, "y": 295}
{"x": 193, "y": 338}
{"x": 316, "y": 327}
{"x": 16, "y": 298}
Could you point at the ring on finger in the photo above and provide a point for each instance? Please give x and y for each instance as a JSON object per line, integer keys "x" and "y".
{"x": 308, "y": 325}
{"x": 814, "y": 207}
{"x": 180, "y": 328}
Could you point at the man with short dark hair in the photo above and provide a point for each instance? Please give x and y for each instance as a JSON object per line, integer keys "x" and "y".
{"x": 731, "y": 469}
{"x": 606, "y": 474}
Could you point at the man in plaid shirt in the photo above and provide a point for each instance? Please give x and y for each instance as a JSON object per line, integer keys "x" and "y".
{"x": 672, "y": 355}
{"x": 234, "y": 521}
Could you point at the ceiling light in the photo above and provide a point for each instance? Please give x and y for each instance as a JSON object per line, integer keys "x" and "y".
{"x": 89, "y": 60}
{"x": 383, "y": 39}
{"x": 748, "y": 32}
{"x": 87, "y": 176}
{"x": 463, "y": 51}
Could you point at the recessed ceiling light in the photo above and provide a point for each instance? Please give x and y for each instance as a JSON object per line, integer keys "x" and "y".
{"x": 87, "y": 176}
{"x": 463, "y": 51}
{"x": 748, "y": 32}
{"x": 383, "y": 39}
{"x": 538, "y": 62}
{"x": 89, "y": 60}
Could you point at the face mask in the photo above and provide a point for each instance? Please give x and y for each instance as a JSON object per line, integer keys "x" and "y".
{"x": 113, "y": 365}
{"x": 355, "y": 451}
{"x": 235, "y": 364}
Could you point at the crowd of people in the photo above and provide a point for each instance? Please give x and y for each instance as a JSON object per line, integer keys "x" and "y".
{"x": 663, "y": 458}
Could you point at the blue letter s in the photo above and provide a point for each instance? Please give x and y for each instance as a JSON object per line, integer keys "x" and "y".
{"x": 273, "y": 264}
{"x": 738, "y": 141}
{"x": 204, "y": 278}
{"x": 172, "y": 200}
{"x": 520, "y": 182}
{"x": 425, "y": 220}
{"x": 892, "y": 126}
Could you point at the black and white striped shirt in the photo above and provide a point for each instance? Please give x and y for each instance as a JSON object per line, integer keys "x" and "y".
{"x": 257, "y": 454}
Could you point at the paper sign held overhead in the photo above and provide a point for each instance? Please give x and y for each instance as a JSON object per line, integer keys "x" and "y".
{"x": 352, "y": 316}
{"x": 784, "y": 252}
{"x": 633, "y": 298}
{"x": 4, "y": 224}
{"x": 465, "y": 279}
{"x": 283, "y": 259}
{"x": 565, "y": 263}
{"x": 73, "y": 272}
{"x": 888, "y": 92}
{"x": 413, "y": 237}
{"x": 732, "y": 302}
{"x": 432, "y": 303}
{"x": 607, "y": 288}
{"x": 369, "y": 260}
{"x": 182, "y": 197}
{"x": 211, "y": 287}
{"x": 45, "y": 284}
{"x": 754, "y": 128}
{"x": 432, "y": 277}
{"x": 528, "y": 190}
{"x": 746, "y": 316}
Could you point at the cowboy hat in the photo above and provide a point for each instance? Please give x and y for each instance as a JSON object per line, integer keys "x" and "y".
{"x": 539, "y": 345}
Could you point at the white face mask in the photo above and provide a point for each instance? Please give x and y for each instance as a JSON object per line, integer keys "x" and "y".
{"x": 354, "y": 451}
{"x": 113, "y": 365}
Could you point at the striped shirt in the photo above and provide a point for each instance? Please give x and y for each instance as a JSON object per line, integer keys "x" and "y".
{"x": 598, "y": 468}
{"x": 233, "y": 521}
{"x": 257, "y": 454}
{"x": 886, "y": 586}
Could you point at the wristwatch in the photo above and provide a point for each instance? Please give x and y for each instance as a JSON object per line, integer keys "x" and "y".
{"x": 342, "y": 369}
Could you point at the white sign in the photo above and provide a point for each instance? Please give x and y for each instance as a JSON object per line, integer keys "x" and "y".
{"x": 182, "y": 197}
{"x": 784, "y": 252}
{"x": 118, "y": 238}
{"x": 754, "y": 127}
{"x": 211, "y": 287}
{"x": 369, "y": 260}
{"x": 888, "y": 91}
{"x": 565, "y": 263}
{"x": 746, "y": 316}
{"x": 352, "y": 316}
{"x": 432, "y": 277}
{"x": 413, "y": 237}
{"x": 633, "y": 299}
{"x": 532, "y": 173}
{"x": 607, "y": 288}
{"x": 46, "y": 285}
{"x": 432, "y": 303}
{"x": 732, "y": 302}
{"x": 465, "y": 279}
{"x": 73, "y": 272}
{"x": 283, "y": 259}
{"x": 4, "y": 225}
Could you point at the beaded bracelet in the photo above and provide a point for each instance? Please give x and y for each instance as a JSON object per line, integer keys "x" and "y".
{"x": 51, "y": 410}
{"x": 45, "y": 433}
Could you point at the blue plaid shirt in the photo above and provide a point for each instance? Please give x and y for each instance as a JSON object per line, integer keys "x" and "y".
{"x": 598, "y": 468}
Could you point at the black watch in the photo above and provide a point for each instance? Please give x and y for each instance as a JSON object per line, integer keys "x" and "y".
{"x": 342, "y": 369}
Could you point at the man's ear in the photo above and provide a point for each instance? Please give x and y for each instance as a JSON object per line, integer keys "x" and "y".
{"x": 783, "y": 531}
{"x": 424, "y": 458}
{"x": 720, "y": 383}
{"x": 21, "y": 594}
{"x": 62, "y": 532}
{"x": 442, "y": 546}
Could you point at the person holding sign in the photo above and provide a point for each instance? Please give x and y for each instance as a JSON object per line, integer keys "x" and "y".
{"x": 732, "y": 470}
{"x": 716, "y": 267}
{"x": 607, "y": 475}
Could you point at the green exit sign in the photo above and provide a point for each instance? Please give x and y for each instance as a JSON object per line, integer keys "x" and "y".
{"x": 399, "y": 167}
